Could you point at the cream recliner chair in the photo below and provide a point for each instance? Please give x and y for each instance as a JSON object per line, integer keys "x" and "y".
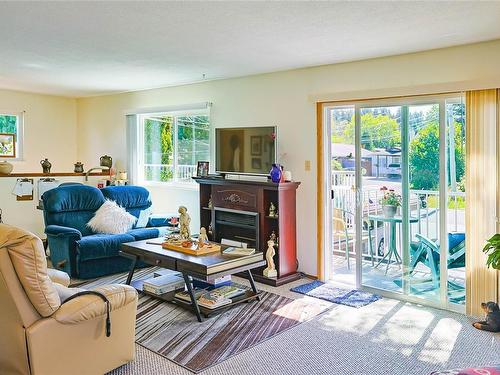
{"x": 41, "y": 335}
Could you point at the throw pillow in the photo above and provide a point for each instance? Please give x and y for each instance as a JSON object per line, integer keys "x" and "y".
{"x": 143, "y": 219}
{"x": 111, "y": 219}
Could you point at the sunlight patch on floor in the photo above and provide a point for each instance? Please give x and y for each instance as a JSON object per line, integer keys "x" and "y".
{"x": 357, "y": 321}
{"x": 439, "y": 345}
{"x": 405, "y": 329}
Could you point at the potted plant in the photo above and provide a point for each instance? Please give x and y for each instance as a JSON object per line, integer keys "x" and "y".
{"x": 492, "y": 249}
{"x": 390, "y": 202}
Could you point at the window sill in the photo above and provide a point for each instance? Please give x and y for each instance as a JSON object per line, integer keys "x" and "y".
{"x": 192, "y": 186}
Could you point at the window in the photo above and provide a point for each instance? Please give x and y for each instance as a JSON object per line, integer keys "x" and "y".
{"x": 171, "y": 144}
{"x": 11, "y": 135}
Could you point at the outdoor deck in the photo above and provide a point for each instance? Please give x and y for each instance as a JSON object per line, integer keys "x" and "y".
{"x": 375, "y": 277}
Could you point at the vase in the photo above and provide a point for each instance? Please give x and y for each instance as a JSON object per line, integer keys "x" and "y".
{"x": 275, "y": 173}
{"x": 389, "y": 211}
{"x": 5, "y": 167}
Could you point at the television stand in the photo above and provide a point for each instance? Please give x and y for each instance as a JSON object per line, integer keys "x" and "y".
{"x": 239, "y": 211}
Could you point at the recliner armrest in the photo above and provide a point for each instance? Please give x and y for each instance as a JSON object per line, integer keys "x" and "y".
{"x": 87, "y": 307}
{"x": 58, "y": 230}
{"x": 160, "y": 220}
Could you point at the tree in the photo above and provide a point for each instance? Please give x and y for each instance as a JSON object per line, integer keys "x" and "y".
{"x": 380, "y": 131}
{"x": 424, "y": 157}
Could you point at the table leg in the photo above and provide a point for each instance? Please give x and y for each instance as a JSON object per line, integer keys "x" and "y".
{"x": 194, "y": 302}
{"x": 131, "y": 272}
{"x": 252, "y": 284}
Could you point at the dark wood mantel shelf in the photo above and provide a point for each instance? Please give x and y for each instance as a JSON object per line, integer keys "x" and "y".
{"x": 63, "y": 174}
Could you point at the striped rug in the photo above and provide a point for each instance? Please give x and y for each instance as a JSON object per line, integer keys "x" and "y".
{"x": 174, "y": 332}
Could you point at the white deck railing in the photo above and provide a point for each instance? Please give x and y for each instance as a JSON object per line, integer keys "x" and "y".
{"x": 184, "y": 171}
{"x": 424, "y": 204}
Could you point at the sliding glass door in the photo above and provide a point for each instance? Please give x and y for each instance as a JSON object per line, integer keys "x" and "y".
{"x": 407, "y": 199}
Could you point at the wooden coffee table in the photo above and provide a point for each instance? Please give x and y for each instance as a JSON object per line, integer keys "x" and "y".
{"x": 204, "y": 267}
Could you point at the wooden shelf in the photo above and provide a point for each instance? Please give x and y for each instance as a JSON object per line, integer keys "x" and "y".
{"x": 63, "y": 174}
{"x": 170, "y": 297}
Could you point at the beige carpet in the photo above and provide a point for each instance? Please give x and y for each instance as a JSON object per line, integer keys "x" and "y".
{"x": 385, "y": 337}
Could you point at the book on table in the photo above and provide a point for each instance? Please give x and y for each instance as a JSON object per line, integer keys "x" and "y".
{"x": 238, "y": 251}
{"x": 184, "y": 295}
{"x": 220, "y": 296}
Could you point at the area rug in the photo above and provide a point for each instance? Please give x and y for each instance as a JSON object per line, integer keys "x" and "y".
{"x": 174, "y": 332}
{"x": 353, "y": 298}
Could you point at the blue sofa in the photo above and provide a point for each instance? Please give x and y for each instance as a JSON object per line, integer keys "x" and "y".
{"x": 78, "y": 251}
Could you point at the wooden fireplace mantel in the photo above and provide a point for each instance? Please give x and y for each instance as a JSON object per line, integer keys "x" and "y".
{"x": 240, "y": 211}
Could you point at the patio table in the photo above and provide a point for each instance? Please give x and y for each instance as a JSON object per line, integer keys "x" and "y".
{"x": 391, "y": 246}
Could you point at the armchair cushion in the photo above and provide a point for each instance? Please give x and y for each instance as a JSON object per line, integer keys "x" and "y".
{"x": 98, "y": 246}
{"x": 28, "y": 258}
{"x": 89, "y": 306}
{"x": 65, "y": 292}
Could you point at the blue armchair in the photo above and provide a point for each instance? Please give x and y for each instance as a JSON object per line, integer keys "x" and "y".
{"x": 74, "y": 248}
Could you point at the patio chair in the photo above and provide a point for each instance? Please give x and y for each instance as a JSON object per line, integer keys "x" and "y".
{"x": 342, "y": 229}
{"x": 427, "y": 252}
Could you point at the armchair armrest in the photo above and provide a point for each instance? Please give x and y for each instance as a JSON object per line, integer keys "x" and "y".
{"x": 58, "y": 230}
{"x": 58, "y": 276}
{"x": 160, "y": 220}
{"x": 87, "y": 307}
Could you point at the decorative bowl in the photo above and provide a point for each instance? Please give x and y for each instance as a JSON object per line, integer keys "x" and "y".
{"x": 6, "y": 167}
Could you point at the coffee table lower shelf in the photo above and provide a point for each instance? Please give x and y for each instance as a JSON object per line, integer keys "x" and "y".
{"x": 206, "y": 312}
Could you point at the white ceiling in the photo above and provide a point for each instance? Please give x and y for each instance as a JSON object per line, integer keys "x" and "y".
{"x": 91, "y": 48}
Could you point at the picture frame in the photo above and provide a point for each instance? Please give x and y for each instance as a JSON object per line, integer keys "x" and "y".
{"x": 256, "y": 163}
{"x": 256, "y": 145}
{"x": 7, "y": 145}
{"x": 202, "y": 169}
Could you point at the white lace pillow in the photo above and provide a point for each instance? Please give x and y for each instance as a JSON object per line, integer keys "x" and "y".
{"x": 111, "y": 219}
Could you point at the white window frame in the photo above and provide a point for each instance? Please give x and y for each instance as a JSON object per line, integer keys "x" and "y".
{"x": 175, "y": 183}
{"x": 19, "y": 135}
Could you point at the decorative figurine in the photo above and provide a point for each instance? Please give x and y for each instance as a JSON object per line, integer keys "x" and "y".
{"x": 78, "y": 167}
{"x": 184, "y": 222}
{"x": 270, "y": 271}
{"x": 210, "y": 230}
{"x": 210, "y": 202}
{"x": 202, "y": 238}
{"x": 106, "y": 161}
{"x": 272, "y": 210}
{"x": 273, "y": 237}
{"x": 46, "y": 165}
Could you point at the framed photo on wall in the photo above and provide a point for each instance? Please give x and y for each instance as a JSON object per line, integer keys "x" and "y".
{"x": 256, "y": 163}
{"x": 256, "y": 145}
{"x": 202, "y": 169}
{"x": 7, "y": 145}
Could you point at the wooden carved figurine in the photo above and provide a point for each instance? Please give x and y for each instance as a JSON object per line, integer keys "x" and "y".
{"x": 202, "y": 238}
{"x": 272, "y": 210}
{"x": 270, "y": 271}
{"x": 184, "y": 222}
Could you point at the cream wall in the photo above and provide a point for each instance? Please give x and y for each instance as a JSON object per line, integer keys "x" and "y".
{"x": 49, "y": 129}
{"x": 49, "y": 132}
{"x": 287, "y": 99}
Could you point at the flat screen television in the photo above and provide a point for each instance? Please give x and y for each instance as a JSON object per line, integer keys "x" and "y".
{"x": 250, "y": 150}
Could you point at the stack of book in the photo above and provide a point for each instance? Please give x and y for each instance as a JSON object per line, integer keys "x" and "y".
{"x": 163, "y": 284}
{"x": 219, "y": 297}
